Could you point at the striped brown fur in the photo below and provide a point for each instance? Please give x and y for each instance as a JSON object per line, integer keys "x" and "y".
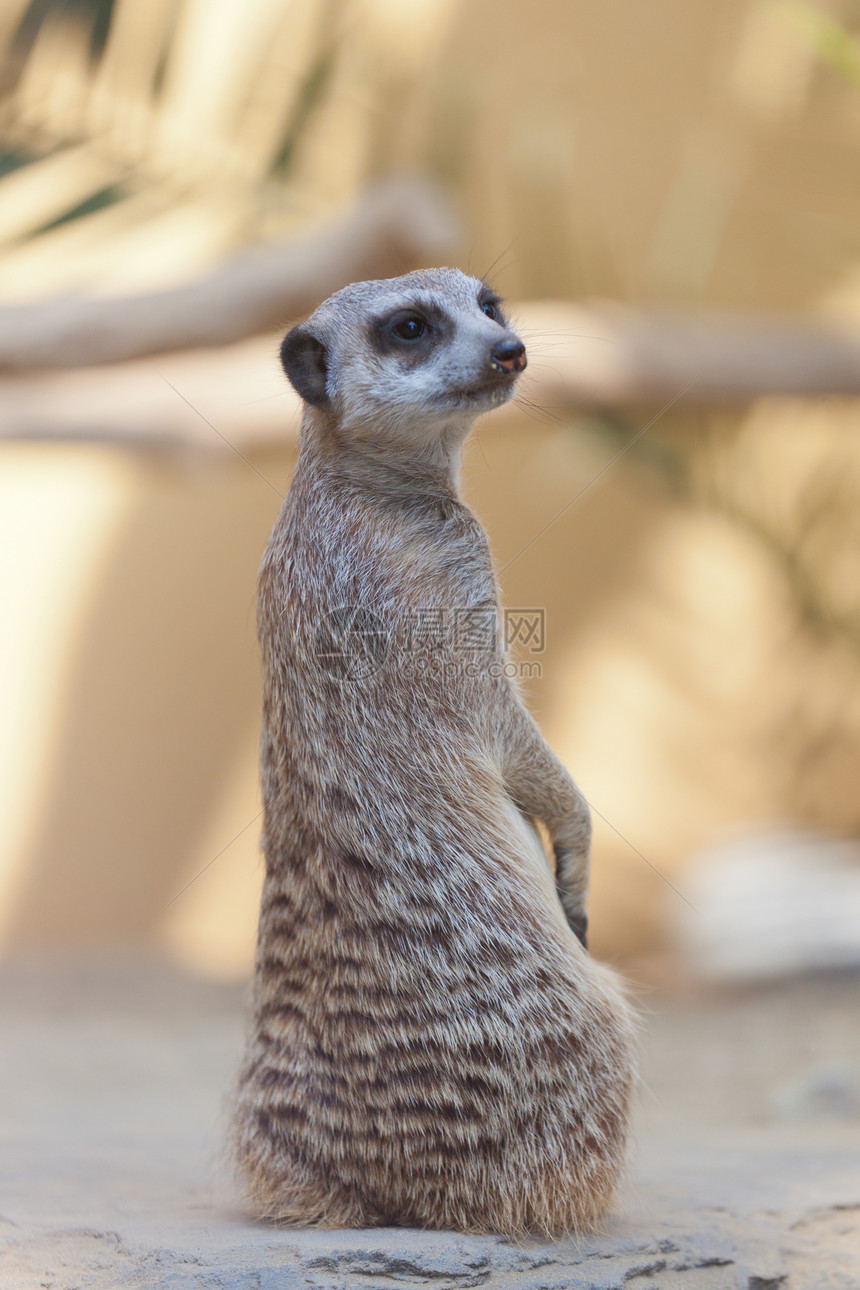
{"x": 430, "y": 1044}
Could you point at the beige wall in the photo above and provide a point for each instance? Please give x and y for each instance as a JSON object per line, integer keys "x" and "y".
{"x": 679, "y": 682}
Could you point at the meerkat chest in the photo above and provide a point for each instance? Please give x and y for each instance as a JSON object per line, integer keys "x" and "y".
{"x": 443, "y": 606}
{"x": 420, "y": 571}
{"x": 442, "y": 550}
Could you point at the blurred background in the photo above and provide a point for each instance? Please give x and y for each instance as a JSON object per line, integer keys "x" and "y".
{"x": 669, "y": 195}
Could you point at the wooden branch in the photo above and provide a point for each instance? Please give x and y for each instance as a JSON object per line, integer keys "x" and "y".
{"x": 213, "y": 400}
{"x": 598, "y": 357}
{"x": 607, "y": 355}
{"x": 396, "y": 226}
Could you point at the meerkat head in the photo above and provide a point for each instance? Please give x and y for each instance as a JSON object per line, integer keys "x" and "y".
{"x": 405, "y": 363}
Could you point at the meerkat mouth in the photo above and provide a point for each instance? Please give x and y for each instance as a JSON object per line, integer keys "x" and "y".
{"x": 492, "y": 389}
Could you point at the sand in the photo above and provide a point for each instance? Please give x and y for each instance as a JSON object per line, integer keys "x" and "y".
{"x": 745, "y": 1173}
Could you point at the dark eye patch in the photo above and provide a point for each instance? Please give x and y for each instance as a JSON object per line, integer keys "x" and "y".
{"x": 491, "y": 304}
{"x": 411, "y": 333}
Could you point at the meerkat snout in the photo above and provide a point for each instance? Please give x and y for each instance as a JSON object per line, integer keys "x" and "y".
{"x": 509, "y": 355}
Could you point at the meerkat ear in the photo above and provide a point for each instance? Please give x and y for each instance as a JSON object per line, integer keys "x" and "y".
{"x": 305, "y": 362}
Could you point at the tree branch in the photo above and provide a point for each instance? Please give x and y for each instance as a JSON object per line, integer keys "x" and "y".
{"x": 396, "y": 226}
{"x": 597, "y": 357}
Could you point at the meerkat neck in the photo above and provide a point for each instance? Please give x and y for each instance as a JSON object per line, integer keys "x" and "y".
{"x": 383, "y": 464}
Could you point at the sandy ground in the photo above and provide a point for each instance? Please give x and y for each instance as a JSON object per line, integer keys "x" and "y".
{"x": 745, "y": 1176}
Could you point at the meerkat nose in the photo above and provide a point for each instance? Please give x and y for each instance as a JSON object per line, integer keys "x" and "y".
{"x": 509, "y": 355}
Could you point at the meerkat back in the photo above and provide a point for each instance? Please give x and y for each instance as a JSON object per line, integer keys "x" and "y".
{"x": 430, "y": 1043}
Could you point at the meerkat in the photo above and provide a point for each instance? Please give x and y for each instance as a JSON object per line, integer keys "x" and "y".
{"x": 430, "y": 1043}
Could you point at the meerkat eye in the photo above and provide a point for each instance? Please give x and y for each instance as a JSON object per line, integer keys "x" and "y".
{"x": 490, "y": 310}
{"x": 410, "y": 328}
